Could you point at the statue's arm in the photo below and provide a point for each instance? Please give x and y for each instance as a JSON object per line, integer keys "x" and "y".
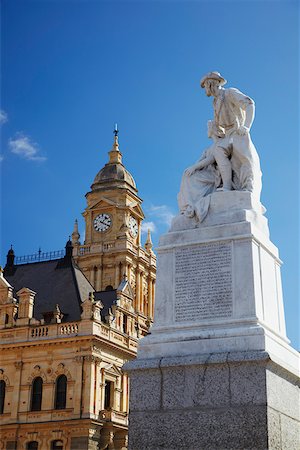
{"x": 209, "y": 159}
{"x": 250, "y": 113}
{"x": 248, "y": 105}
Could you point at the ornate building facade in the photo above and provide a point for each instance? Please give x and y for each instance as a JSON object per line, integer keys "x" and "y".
{"x": 67, "y": 326}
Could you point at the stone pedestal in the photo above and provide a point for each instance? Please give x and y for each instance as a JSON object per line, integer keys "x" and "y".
{"x": 217, "y": 371}
{"x": 239, "y": 400}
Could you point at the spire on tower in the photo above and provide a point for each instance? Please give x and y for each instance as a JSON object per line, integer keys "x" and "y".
{"x": 115, "y": 156}
{"x": 148, "y": 243}
{"x": 75, "y": 234}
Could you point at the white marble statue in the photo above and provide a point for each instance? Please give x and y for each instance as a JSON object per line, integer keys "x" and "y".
{"x": 231, "y": 163}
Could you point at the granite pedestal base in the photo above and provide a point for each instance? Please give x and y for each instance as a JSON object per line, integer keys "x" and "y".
{"x": 239, "y": 400}
{"x": 216, "y": 370}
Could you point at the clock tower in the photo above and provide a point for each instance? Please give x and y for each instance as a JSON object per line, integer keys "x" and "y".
{"x": 112, "y": 248}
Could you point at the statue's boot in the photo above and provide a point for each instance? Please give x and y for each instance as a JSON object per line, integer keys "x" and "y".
{"x": 226, "y": 175}
{"x": 224, "y": 165}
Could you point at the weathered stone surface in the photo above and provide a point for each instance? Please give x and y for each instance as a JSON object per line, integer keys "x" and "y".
{"x": 226, "y": 428}
{"x": 248, "y": 384}
{"x": 221, "y": 401}
{"x": 283, "y": 394}
{"x": 290, "y": 433}
{"x": 145, "y": 390}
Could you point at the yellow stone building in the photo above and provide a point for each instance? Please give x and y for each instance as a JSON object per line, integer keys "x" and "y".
{"x": 68, "y": 324}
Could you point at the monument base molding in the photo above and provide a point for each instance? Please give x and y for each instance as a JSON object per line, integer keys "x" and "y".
{"x": 236, "y": 400}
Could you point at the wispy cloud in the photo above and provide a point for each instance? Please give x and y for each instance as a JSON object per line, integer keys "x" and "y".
{"x": 3, "y": 117}
{"x": 148, "y": 226}
{"x": 1, "y": 158}
{"x": 26, "y": 148}
{"x": 162, "y": 213}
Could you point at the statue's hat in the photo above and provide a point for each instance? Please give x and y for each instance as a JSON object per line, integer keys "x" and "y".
{"x": 213, "y": 76}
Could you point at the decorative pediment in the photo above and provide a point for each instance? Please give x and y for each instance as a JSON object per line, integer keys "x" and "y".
{"x": 102, "y": 203}
{"x": 37, "y": 372}
{"x": 112, "y": 370}
{"x": 125, "y": 289}
{"x": 136, "y": 207}
{"x": 61, "y": 370}
{"x": 4, "y": 377}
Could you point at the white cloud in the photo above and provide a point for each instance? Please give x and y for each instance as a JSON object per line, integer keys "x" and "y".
{"x": 3, "y": 117}
{"x": 148, "y": 226}
{"x": 163, "y": 213}
{"x": 26, "y": 148}
{"x": 1, "y": 158}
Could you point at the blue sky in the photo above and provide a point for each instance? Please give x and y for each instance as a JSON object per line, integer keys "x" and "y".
{"x": 71, "y": 69}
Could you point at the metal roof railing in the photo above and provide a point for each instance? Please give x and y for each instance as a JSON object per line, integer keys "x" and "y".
{"x": 39, "y": 256}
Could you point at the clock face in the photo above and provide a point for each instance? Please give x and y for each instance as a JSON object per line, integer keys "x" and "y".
{"x": 102, "y": 222}
{"x": 133, "y": 226}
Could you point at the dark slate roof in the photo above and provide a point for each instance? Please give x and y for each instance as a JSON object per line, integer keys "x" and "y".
{"x": 54, "y": 283}
{"x": 108, "y": 298}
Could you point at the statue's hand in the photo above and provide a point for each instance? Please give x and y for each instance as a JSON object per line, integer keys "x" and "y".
{"x": 189, "y": 171}
{"x": 242, "y": 130}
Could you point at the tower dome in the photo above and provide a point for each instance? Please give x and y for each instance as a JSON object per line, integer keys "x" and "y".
{"x": 114, "y": 171}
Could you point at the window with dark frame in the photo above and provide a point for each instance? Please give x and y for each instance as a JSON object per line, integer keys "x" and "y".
{"x": 124, "y": 323}
{"x": 57, "y": 445}
{"x": 108, "y": 394}
{"x": 61, "y": 392}
{"x": 36, "y": 394}
{"x": 33, "y": 445}
{"x": 2, "y": 395}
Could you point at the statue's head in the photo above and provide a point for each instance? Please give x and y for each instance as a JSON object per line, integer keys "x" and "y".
{"x": 211, "y": 82}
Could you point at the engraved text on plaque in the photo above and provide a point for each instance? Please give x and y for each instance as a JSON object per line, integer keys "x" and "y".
{"x": 203, "y": 282}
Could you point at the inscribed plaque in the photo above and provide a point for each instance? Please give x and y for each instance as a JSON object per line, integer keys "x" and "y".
{"x": 203, "y": 282}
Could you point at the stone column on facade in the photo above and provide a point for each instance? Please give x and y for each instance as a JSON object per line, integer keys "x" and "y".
{"x": 150, "y": 297}
{"x": 88, "y": 386}
{"x": 97, "y": 394}
{"x": 102, "y": 389}
{"x": 118, "y": 391}
{"x": 92, "y": 276}
{"x": 78, "y": 388}
{"x": 117, "y": 275}
{"x": 89, "y": 229}
{"x": 17, "y": 389}
{"x": 98, "y": 278}
{"x": 153, "y": 297}
{"x": 124, "y": 392}
{"x": 141, "y": 292}
{"x": 137, "y": 290}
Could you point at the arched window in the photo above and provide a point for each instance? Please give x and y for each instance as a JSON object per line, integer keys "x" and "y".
{"x": 2, "y": 395}
{"x": 61, "y": 392}
{"x": 109, "y": 288}
{"x": 32, "y": 445}
{"x": 36, "y": 394}
{"x": 57, "y": 445}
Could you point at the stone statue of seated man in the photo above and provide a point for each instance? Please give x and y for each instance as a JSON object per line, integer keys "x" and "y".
{"x": 231, "y": 163}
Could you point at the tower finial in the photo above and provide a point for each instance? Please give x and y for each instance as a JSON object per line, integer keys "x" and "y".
{"x": 75, "y": 234}
{"x": 116, "y": 131}
{"x": 116, "y": 139}
{"x": 115, "y": 155}
{"x": 148, "y": 243}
